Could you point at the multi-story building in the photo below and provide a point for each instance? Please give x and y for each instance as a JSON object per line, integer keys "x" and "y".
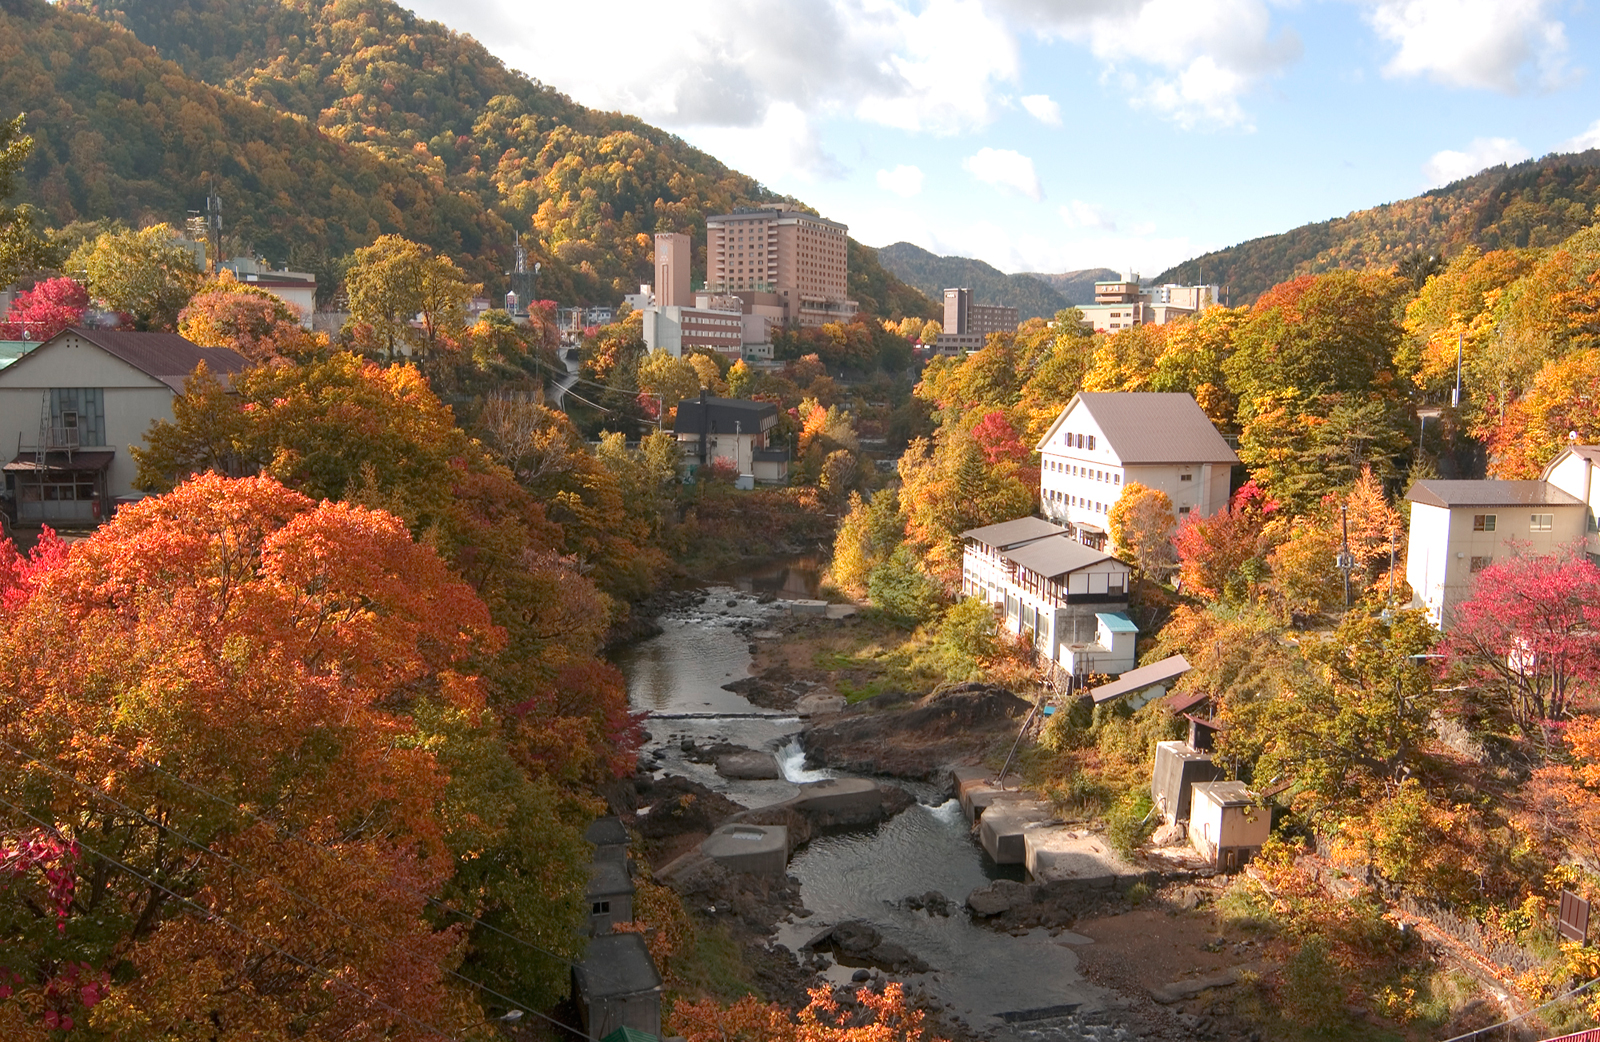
{"x": 967, "y": 325}
{"x": 801, "y": 260}
{"x": 1122, "y": 303}
{"x": 734, "y": 429}
{"x": 1104, "y": 441}
{"x": 1068, "y": 599}
{"x": 673, "y": 256}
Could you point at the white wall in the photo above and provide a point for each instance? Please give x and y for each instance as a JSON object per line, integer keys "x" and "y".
{"x": 1427, "y": 551}
{"x": 1574, "y": 475}
{"x": 1094, "y": 477}
{"x": 1443, "y": 543}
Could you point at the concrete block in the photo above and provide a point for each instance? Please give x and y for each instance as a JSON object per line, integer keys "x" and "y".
{"x": 1057, "y": 853}
{"x": 806, "y": 607}
{"x": 1003, "y": 825}
{"x": 839, "y": 796}
{"x": 759, "y": 850}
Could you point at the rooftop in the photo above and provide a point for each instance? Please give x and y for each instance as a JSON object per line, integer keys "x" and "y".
{"x": 1225, "y": 793}
{"x": 167, "y": 357}
{"x": 608, "y": 877}
{"x": 1145, "y": 676}
{"x": 1056, "y": 555}
{"x": 1007, "y": 534}
{"x": 617, "y": 964}
{"x": 1439, "y": 493}
{"x": 604, "y": 832}
{"x": 1149, "y": 427}
{"x": 1117, "y": 622}
{"x": 723, "y": 415}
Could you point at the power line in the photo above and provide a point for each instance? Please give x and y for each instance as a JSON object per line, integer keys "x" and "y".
{"x": 209, "y": 914}
{"x": 510, "y": 1002}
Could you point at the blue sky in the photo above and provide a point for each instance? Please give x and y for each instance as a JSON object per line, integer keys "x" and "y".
{"x": 1051, "y": 135}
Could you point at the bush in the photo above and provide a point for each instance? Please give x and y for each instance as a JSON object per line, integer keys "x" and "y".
{"x": 1130, "y": 822}
{"x": 1312, "y": 990}
{"x": 902, "y": 590}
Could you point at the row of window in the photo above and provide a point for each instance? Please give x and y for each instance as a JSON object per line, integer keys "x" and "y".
{"x": 1536, "y": 523}
{"x": 1085, "y": 472}
{"x": 1082, "y": 441}
{"x": 1075, "y": 501}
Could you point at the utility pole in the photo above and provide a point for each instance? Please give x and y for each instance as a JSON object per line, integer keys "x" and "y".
{"x": 213, "y": 231}
{"x": 1455, "y": 399}
{"x": 1345, "y": 561}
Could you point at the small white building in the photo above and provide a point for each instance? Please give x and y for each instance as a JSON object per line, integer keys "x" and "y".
{"x": 71, "y": 408}
{"x": 1573, "y": 472}
{"x": 1103, "y": 441}
{"x": 1459, "y": 528}
{"x": 735, "y": 429}
{"x": 1067, "y": 598}
{"x": 1226, "y": 825}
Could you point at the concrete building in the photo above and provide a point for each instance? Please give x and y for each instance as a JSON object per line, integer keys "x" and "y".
{"x": 1459, "y": 528}
{"x": 1103, "y": 441}
{"x": 801, "y": 259}
{"x": 673, "y": 257}
{"x": 609, "y": 895}
{"x": 298, "y": 289}
{"x": 967, "y": 326}
{"x": 734, "y": 429}
{"x": 1573, "y": 472}
{"x": 73, "y": 405}
{"x": 1067, "y": 598}
{"x": 677, "y": 330}
{"x": 1179, "y": 766}
{"x": 1122, "y": 303}
{"x": 1225, "y": 824}
{"x": 617, "y": 986}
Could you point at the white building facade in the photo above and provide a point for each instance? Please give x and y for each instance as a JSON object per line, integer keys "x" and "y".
{"x": 1102, "y": 442}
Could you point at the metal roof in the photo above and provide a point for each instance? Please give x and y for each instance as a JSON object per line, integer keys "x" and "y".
{"x": 81, "y": 461}
{"x": 1225, "y": 793}
{"x": 1007, "y": 534}
{"x": 617, "y": 964}
{"x": 1116, "y": 621}
{"x": 1145, "y": 676}
{"x": 167, "y": 357}
{"x": 608, "y": 877}
{"x": 1056, "y": 555}
{"x": 607, "y": 831}
{"x": 1438, "y": 493}
{"x": 723, "y": 414}
{"x": 1151, "y": 427}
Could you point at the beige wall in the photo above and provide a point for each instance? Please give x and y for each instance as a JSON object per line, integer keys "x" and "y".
{"x": 800, "y": 258}
{"x": 672, "y": 271}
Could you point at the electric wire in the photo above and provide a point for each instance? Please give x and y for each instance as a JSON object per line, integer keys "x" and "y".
{"x": 242, "y": 931}
{"x": 264, "y": 877}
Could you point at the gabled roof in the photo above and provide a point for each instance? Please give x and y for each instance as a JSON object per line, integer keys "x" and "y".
{"x": 724, "y": 415}
{"x": 167, "y": 357}
{"x": 1439, "y": 493}
{"x": 616, "y": 964}
{"x": 607, "y": 831}
{"x": 1150, "y": 427}
{"x": 1055, "y": 555}
{"x": 1589, "y": 453}
{"x": 1007, "y": 534}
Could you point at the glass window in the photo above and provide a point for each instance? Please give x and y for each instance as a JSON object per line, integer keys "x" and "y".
{"x": 1185, "y": 477}
{"x": 1483, "y": 522}
{"x": 1542, "y": 522}
{"x": 1182, "y": 511}
{"x": 1091, "y": 441}
{"x": 1480, "y": 563}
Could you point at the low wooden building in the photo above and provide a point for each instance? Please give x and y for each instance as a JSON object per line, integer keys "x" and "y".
{"x": 617, "y": 986}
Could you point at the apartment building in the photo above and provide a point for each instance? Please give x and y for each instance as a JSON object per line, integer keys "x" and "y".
{"x": 1103, "y": 441}
{"x": 967, "y": 326}
{"x": 1122, "y": 303}
{"x": 801, "y": 260}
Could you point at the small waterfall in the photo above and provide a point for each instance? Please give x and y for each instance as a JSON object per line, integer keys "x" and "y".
{"x": 948, "y": 812}
{"x": 792, "y": 762}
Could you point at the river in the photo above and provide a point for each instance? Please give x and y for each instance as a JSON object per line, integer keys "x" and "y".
{"x": 849, "y": 874}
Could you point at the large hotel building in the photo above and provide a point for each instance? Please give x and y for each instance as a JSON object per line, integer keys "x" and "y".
{"x": 774, "y": 258}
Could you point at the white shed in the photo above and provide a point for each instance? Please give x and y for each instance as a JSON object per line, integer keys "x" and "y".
{"x": 1226, "y": 825}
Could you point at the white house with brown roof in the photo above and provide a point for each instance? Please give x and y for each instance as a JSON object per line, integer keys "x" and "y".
{"x": 1069, "y": 599}
{"x": 1573, "y": 472}
{"x": 71, "y": 408}
{"x": 1102, "y": 441}
{"x": 1459, "y": 528}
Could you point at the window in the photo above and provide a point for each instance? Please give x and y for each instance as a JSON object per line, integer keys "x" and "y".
{"x": 600, "y": 908}
{"x": 1480, "y": 563}
{"x": 81, "y": 410}
{"x": 1182, "y": 511}
{"x": 1080, "y": 441}
{"x": 1483, "y": 522}
{"x": 1119, "y": 479}
{"x": 1185, "y": 477}
{"x": 1091, "y": 441}
{"x": 1542, "y": 522}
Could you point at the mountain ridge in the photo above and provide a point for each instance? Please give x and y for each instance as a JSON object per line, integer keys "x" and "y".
{"x": 1034, "y": 296}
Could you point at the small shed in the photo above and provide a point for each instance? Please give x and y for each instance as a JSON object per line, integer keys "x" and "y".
{"x": 610, "y": 895}
{"x": 1178, "y": 767}
{"x": 617, "y": 986}
{"x": 1226, "y": 825}
{"x": 1145, "y": 684}
{"x": 610, "y": 839}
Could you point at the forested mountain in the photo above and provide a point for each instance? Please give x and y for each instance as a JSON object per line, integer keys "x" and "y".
{"x": 1535, "y": 203}
{"x": 326, "y": 125}
{"x": 933, "y": 274}
{"x": 1076, "y": 286}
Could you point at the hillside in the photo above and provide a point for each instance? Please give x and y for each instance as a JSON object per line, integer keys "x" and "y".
{"x": 933, "y": 274}
{"x": 1535, "y": 203}
{"x": 1077, "y": 287}
{"x": 325, "y": 125}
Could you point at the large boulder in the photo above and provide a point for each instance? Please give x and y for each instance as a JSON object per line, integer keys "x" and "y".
{"x": 999, "y": 897}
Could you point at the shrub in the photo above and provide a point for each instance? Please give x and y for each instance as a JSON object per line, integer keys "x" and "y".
{"x": 1130, "y": 822}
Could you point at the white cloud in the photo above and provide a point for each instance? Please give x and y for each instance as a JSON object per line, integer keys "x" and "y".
{"x": 1484, "y": 152}
{"x": 1583, "y": 142}
{"x": 784, "y": 144}
{"x": 1079, "y": 214}
{"x": 1503, "y": 45}
{"x": 904, "y": 181}
{"x": 1190, "y": 61}
{"x": 1052, "y": 252}
{"x": 1005, "y": 168}
{"x": 1042, "y": 108}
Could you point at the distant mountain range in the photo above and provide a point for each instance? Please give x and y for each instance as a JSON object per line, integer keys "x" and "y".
{"x": 1539, "y": 202}
{"x": 1033, "y": 295}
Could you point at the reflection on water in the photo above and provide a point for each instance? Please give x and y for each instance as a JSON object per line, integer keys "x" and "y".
{"x": 795, "y": 579}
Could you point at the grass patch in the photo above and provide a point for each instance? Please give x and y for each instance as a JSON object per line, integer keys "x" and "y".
{"x": 714, "y": 966}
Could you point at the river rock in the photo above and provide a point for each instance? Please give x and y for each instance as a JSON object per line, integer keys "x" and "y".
{"x": 820, "y": 704}
{"x": 999, "y": 897}
{"x": 932, "y": 902}
{"x": 748, "y": 765}
{"x": 885, "y": 735}
{"x": 855, "y": 943}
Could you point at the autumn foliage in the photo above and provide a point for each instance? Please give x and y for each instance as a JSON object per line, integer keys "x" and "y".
{"x": 882, "y": 1017}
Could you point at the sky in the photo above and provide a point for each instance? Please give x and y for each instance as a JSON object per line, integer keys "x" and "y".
{"x": 1056, "y": 135}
